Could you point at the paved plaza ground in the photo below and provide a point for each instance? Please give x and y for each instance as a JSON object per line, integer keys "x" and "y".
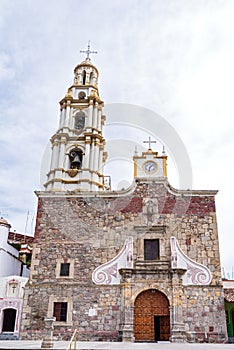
{"x": 116, "y": 346}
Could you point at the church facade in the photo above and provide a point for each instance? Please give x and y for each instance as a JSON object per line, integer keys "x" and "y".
{"x": 140, "y": 264}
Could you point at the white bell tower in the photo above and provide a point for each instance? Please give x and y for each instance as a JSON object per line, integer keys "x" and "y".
{"x": 78, "y": 153}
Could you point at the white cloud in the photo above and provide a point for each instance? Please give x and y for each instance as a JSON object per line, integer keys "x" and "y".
{"x": 6, "y": 71}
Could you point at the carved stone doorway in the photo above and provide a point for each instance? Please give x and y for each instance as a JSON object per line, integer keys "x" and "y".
{"x": 151, "y": 316}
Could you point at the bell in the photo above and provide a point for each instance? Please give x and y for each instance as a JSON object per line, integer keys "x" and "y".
{"x": 76, "y": 163}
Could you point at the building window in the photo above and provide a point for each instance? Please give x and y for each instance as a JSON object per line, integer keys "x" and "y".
{"x": 151, "y": 249}
{"x": 64, "y": 269}
{"x": 61, "y": 308}
{"x": 60, "y": 312}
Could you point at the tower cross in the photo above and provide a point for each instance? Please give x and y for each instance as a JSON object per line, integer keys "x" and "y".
{"x": 88, "y": 51}
{"x": 149, "y": 142}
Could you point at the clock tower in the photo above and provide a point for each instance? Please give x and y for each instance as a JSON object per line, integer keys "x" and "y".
{"x": 149, "y": 165}
{"x": 78, "y": 156}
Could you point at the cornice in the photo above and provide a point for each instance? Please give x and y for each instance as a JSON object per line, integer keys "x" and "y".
{"x": 174, "y": 191}
{"x": 130, "y": 190}
{"x": 82, "y": 87}
{"x": 145, "y": 154}
{"x": 189, "y": 192}
{"x": 79, "y": 136}
{"x": 83, "y": 193}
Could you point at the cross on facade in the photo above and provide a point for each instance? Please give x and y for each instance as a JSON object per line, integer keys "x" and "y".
{"x": 88, "y": 51}
{"x": 13, "y": 286}
{"x": 149, "y": 142}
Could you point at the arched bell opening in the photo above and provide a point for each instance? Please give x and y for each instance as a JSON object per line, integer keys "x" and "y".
{"x": 76, "y": 157}
{"x": 92, "y": 79}
{"x": 83, "y": 77}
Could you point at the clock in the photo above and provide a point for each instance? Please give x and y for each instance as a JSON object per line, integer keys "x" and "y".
{"x": 150, "y": 167}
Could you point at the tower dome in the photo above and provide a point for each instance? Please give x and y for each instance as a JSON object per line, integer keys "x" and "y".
{"x": 86, "y": 74}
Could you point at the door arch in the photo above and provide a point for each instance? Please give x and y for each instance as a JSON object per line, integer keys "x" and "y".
{"x": 151, "y": 316}
{"x": 9, "y": 317}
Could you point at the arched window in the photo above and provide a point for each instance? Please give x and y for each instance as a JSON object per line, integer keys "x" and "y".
{"x": 79, "y": 121}
{"x": 83, "y": 77}
{"x": 91, "y": 78}
{"x": 75, "y": 156}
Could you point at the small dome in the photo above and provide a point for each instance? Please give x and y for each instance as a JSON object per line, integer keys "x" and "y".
{"x": 85, "y": 63}
{"x": 4, "y": 222}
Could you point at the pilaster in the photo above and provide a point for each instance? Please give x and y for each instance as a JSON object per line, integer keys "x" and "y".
{"x": 127, "y": 327}
{"x": 177, "y": 325}
{"x": 47, "y": 342}
{"x": 90, "y": 115}
{"x": 67, "y": 115}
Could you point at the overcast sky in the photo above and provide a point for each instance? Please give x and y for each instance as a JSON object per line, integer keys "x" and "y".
{"x": 172, "y": 57}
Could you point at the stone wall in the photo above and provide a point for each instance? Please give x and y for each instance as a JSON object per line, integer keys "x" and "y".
{"x": 203, "y": 312}
{"x": 91, "y": 230}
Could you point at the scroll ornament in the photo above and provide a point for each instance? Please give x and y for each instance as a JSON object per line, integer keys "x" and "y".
{"x": 196, "y": 274}
{"x": 108, "y": 273}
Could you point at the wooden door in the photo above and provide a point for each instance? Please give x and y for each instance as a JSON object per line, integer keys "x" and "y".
{"x": 151, "y": 316}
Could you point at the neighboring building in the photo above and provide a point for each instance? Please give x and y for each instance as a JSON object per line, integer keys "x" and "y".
{"x": 228, "y": 286}
{"x": 15, "y": 251}
{"x": 11, "y": 301}
{"x": 138, "y": 264}
{"x": 14, "y": 272}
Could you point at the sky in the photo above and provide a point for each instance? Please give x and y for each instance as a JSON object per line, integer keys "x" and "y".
{"x": 172, "y": 57}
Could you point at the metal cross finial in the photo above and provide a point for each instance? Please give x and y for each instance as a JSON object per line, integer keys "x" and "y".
{"x": 88, "y": 51}
{"x": 149, "y": 142}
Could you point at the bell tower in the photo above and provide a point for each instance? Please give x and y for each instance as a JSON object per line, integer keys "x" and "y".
{"x": 78, "y": 155}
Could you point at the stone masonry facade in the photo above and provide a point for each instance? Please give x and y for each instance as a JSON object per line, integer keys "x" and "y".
{"x": 88, "y": 230}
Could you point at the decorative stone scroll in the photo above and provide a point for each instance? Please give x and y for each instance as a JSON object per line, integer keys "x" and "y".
{"x": 196, "y": 274}
{"x": 108, "y": 273}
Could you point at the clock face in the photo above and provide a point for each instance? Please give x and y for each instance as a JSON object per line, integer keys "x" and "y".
{"x": 150, "y": 167}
